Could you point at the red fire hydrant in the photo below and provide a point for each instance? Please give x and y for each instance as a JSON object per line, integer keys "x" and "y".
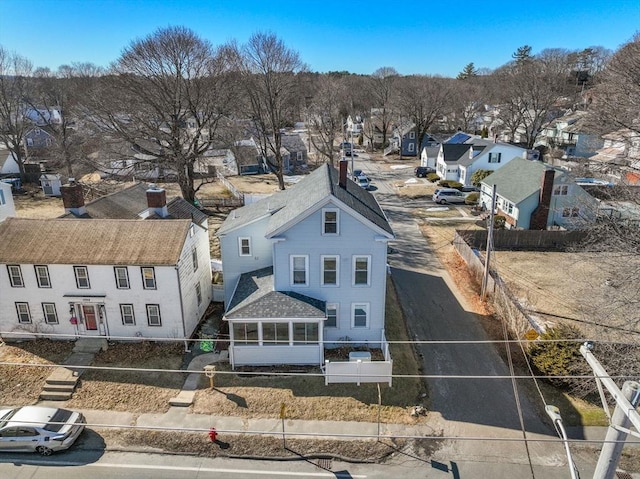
{"x": 213, "y": 434}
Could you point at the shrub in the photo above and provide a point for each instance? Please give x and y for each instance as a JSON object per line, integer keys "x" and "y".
{"x": 559, "y": 358}
{"x": 443, "y": 183}
{"x": 433, "y": 177}
{"x": 499, "y": 221}
{"x": 472, "y": 198}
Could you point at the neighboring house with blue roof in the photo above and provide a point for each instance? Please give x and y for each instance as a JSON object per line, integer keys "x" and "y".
{"x": 534, "y": 195}
{"x": 462, "y": 155}
{"x": 305, "y": 266}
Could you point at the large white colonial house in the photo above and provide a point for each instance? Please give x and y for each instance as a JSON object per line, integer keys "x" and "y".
{"x": 305, "y": 267}
{"x": 104, "y": 270}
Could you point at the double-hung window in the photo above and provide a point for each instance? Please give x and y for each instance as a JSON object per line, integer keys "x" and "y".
{"x": 153, "y": 315}
{"x": 244, "y": 246}
{"x": 15, "y": 275}
{"x": 24, "y": 315}
{"x": 330, "y": 265}
{"x": 332, "y": 315}
{"x": 330, "y": 222}
{"x": 361, "y": 270}
{"x": 49, "y": 311}
{"x": 299, "y": 270}
{"x": 82, "y": 277}
{"x": 126, "y": 312}
{"x": 122, "y": 277}
{"x": 360, "y": 315}
{"x": 148, "y": 278}
{"x": 42, "y": 275}
{"x": 198, "y": 293}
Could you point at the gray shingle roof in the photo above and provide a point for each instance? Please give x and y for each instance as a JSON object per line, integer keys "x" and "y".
{"x": 285, "y": 206}
{"x": 518, "y": 179}
{"x": 254, "y": 298}
{"x": 130, "y": 202}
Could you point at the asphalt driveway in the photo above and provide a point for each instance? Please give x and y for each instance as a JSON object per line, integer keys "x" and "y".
{"x": 435, "y": 312}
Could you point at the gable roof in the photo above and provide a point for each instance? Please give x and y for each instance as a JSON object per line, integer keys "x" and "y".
{"x": 284, "y": 206}
{"x": 254, "y": 297}
{"x": 519, "y": 179}
{"x": 130, "y": 202}
{"x": 90, "y": 241}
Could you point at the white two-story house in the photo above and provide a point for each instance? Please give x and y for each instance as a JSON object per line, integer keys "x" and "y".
{"x": 142, "y": 275}
{"x": 305, "y": 267}
{"x": 462, "y": 155}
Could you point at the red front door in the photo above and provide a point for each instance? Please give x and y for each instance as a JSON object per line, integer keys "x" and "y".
{"x": 89, "y": 314}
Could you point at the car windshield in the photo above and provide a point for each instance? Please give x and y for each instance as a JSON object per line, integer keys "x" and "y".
{"x": 4, "y": 419}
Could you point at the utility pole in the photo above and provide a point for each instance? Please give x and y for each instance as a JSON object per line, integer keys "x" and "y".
{"x": 623, "y": 417}
{"x": 485, "y": 278}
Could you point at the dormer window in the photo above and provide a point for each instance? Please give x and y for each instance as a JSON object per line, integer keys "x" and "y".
{"x": 330, "y": 221}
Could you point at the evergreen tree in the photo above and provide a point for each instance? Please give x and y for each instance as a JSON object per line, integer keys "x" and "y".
{"x": 468, "y": 71}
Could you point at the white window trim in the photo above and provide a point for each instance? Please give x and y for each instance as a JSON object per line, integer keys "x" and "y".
{"x": 366, "y": 307}
{"x": 25, "y": 309}
{"x": 53, "y": 313}
{"x": 17, "y": 267}
{"x": 335, "y": 306}
{"x": 126, "y": 276}
{"x": 353, "y": 270}
{"x": 337, "y": 258}
{"x": 306, "y": 270}
{"x": 412, "y": 147}
{"x": 79, "y": 277}
{"x": 144, "y": 282}
{"x": 39, "y": 278}
{"x": 240, "y": 240}
{"x": 132, "y": 315}
{"x": 157, "y": 308}
{"x": 330, "y": 210}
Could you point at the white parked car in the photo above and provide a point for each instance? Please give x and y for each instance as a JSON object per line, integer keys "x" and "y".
{"x": 448, "y": 195}
{"x": 39, "y": 429}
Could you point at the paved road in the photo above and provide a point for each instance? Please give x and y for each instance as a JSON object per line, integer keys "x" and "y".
{"x": 434, "y": 310}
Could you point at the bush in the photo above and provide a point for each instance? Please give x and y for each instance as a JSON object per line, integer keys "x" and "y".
{"x": 499, "y": 221}
{"x": 433, "y": 177}
{"x": 472, "y": 198}
{"x": 559, "y": 358}
{"x": 455, "y": 184}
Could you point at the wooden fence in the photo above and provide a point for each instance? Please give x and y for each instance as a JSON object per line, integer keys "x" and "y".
{"x": 523, "y": 240}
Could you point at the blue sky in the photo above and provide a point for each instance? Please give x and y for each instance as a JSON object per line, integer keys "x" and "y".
{"x": 414, "y": 37}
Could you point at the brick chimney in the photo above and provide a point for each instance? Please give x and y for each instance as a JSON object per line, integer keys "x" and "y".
{"x": 541, "y": 213}
{"x": 343, "y": 173}
{"x": 73, "y": 198}
{"x": 157, "y": 201}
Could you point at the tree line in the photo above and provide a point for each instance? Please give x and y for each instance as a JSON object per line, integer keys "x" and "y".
{"x": 174, "y": 96}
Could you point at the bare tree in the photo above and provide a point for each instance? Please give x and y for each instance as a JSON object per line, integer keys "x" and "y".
{"x": 167, "y": 96}
{"x": 422, "y": 100}
{"x": 325, "y": 115}
{"x": 616, "y": 100}
{"x": 15, "y": 86}
{"x": 381, "y": 87}
{"x": 269, "y": 73}
{"x": 61, "y": 93}
{"x": 530, "y": 92}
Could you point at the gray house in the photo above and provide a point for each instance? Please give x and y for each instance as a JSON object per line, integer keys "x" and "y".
{"x": 304, "y": 267}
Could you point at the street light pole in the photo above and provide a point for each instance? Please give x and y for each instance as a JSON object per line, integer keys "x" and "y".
{"x": 554, "y": 413}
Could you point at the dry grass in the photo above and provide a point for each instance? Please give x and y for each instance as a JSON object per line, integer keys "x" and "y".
{"x": 21, "y": 385}
{"x": 307, "y": 397}
{"x": 251, "y": 446}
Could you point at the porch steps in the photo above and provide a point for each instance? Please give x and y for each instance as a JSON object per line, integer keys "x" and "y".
{"x": 62, "y": 382}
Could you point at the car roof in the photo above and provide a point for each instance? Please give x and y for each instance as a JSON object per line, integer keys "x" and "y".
{"x": 35, "y": 416}
{"x": 441, "y": 190}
